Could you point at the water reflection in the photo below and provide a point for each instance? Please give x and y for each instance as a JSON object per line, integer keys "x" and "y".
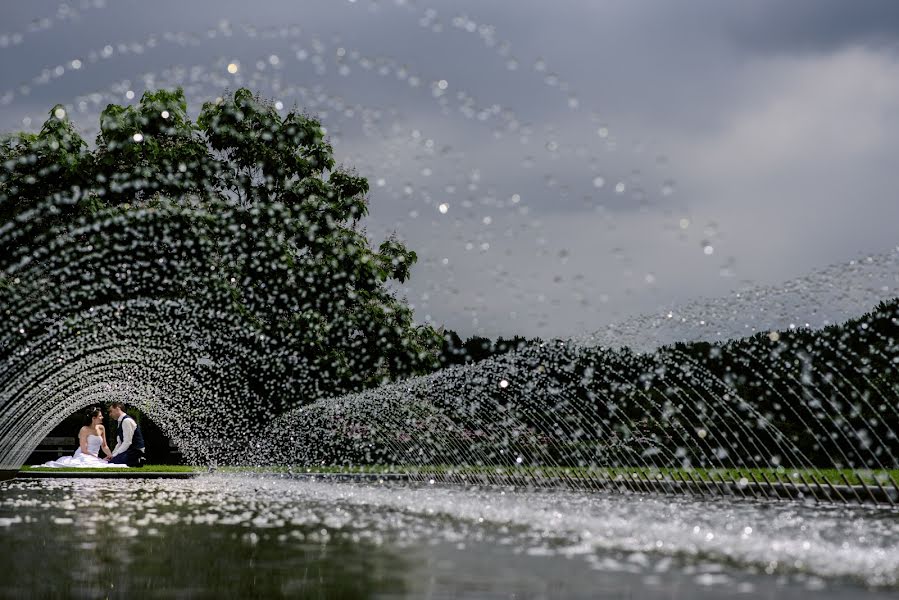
{"x": 252, "y": 537}
{"x": 74, "y": 542}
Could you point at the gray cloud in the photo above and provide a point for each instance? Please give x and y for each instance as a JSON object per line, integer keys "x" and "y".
{"x": 772, "y": 123}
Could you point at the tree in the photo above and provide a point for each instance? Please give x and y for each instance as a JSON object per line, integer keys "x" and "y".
{"x": 476, "y": 348}
{"x": 153, "y": 150}
{"x": 264, "y": 190}
{"x": 34, "y": 168}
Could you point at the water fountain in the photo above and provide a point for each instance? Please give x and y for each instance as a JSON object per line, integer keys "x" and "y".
{"x": 588, "y": 417}
{"x": 239, "y": 303}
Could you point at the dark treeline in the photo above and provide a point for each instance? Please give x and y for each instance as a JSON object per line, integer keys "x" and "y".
{"x": 476, "y": 348}
{"x": 829, "y": 393}
{"x": 802, "y": 398}
{"x": 821, "y": 397}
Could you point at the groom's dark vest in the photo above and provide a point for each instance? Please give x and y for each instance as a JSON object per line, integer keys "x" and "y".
{"x": 137, "y": 440}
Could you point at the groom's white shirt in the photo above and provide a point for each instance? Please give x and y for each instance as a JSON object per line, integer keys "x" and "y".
{"x": 128, "y": 428}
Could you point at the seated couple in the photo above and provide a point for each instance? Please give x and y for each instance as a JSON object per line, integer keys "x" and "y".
{"x": 129, "y": 449}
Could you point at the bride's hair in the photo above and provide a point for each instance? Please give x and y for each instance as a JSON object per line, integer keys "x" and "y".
{"x": 90, "y": 413}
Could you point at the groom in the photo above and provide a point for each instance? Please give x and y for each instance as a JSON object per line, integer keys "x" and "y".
{"x": 129, "y": 448}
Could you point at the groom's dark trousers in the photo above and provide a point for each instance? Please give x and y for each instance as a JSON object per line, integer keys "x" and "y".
{"x": 131, "y": 457}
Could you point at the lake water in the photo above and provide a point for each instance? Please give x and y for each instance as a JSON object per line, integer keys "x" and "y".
{"x": 244, "y": 537}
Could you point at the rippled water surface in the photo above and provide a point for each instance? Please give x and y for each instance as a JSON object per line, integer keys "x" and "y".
{"x": 227, "y": 536}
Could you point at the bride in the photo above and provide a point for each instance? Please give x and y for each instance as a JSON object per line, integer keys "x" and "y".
{"x": 91, "y": 438}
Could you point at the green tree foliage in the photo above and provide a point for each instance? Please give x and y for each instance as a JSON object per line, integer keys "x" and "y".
{"x": 36, "y": 167}
{"x": 152, "y": 149}
{"x": 307, "y": 275}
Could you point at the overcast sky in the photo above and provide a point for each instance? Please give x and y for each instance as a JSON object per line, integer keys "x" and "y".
{"x": 557, "y": 166}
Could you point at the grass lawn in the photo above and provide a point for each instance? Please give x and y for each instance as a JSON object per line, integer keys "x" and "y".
{"x": 823, "y": 476}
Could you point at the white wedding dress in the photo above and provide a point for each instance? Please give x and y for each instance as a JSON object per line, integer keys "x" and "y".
{"x": 80, "y": 459}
